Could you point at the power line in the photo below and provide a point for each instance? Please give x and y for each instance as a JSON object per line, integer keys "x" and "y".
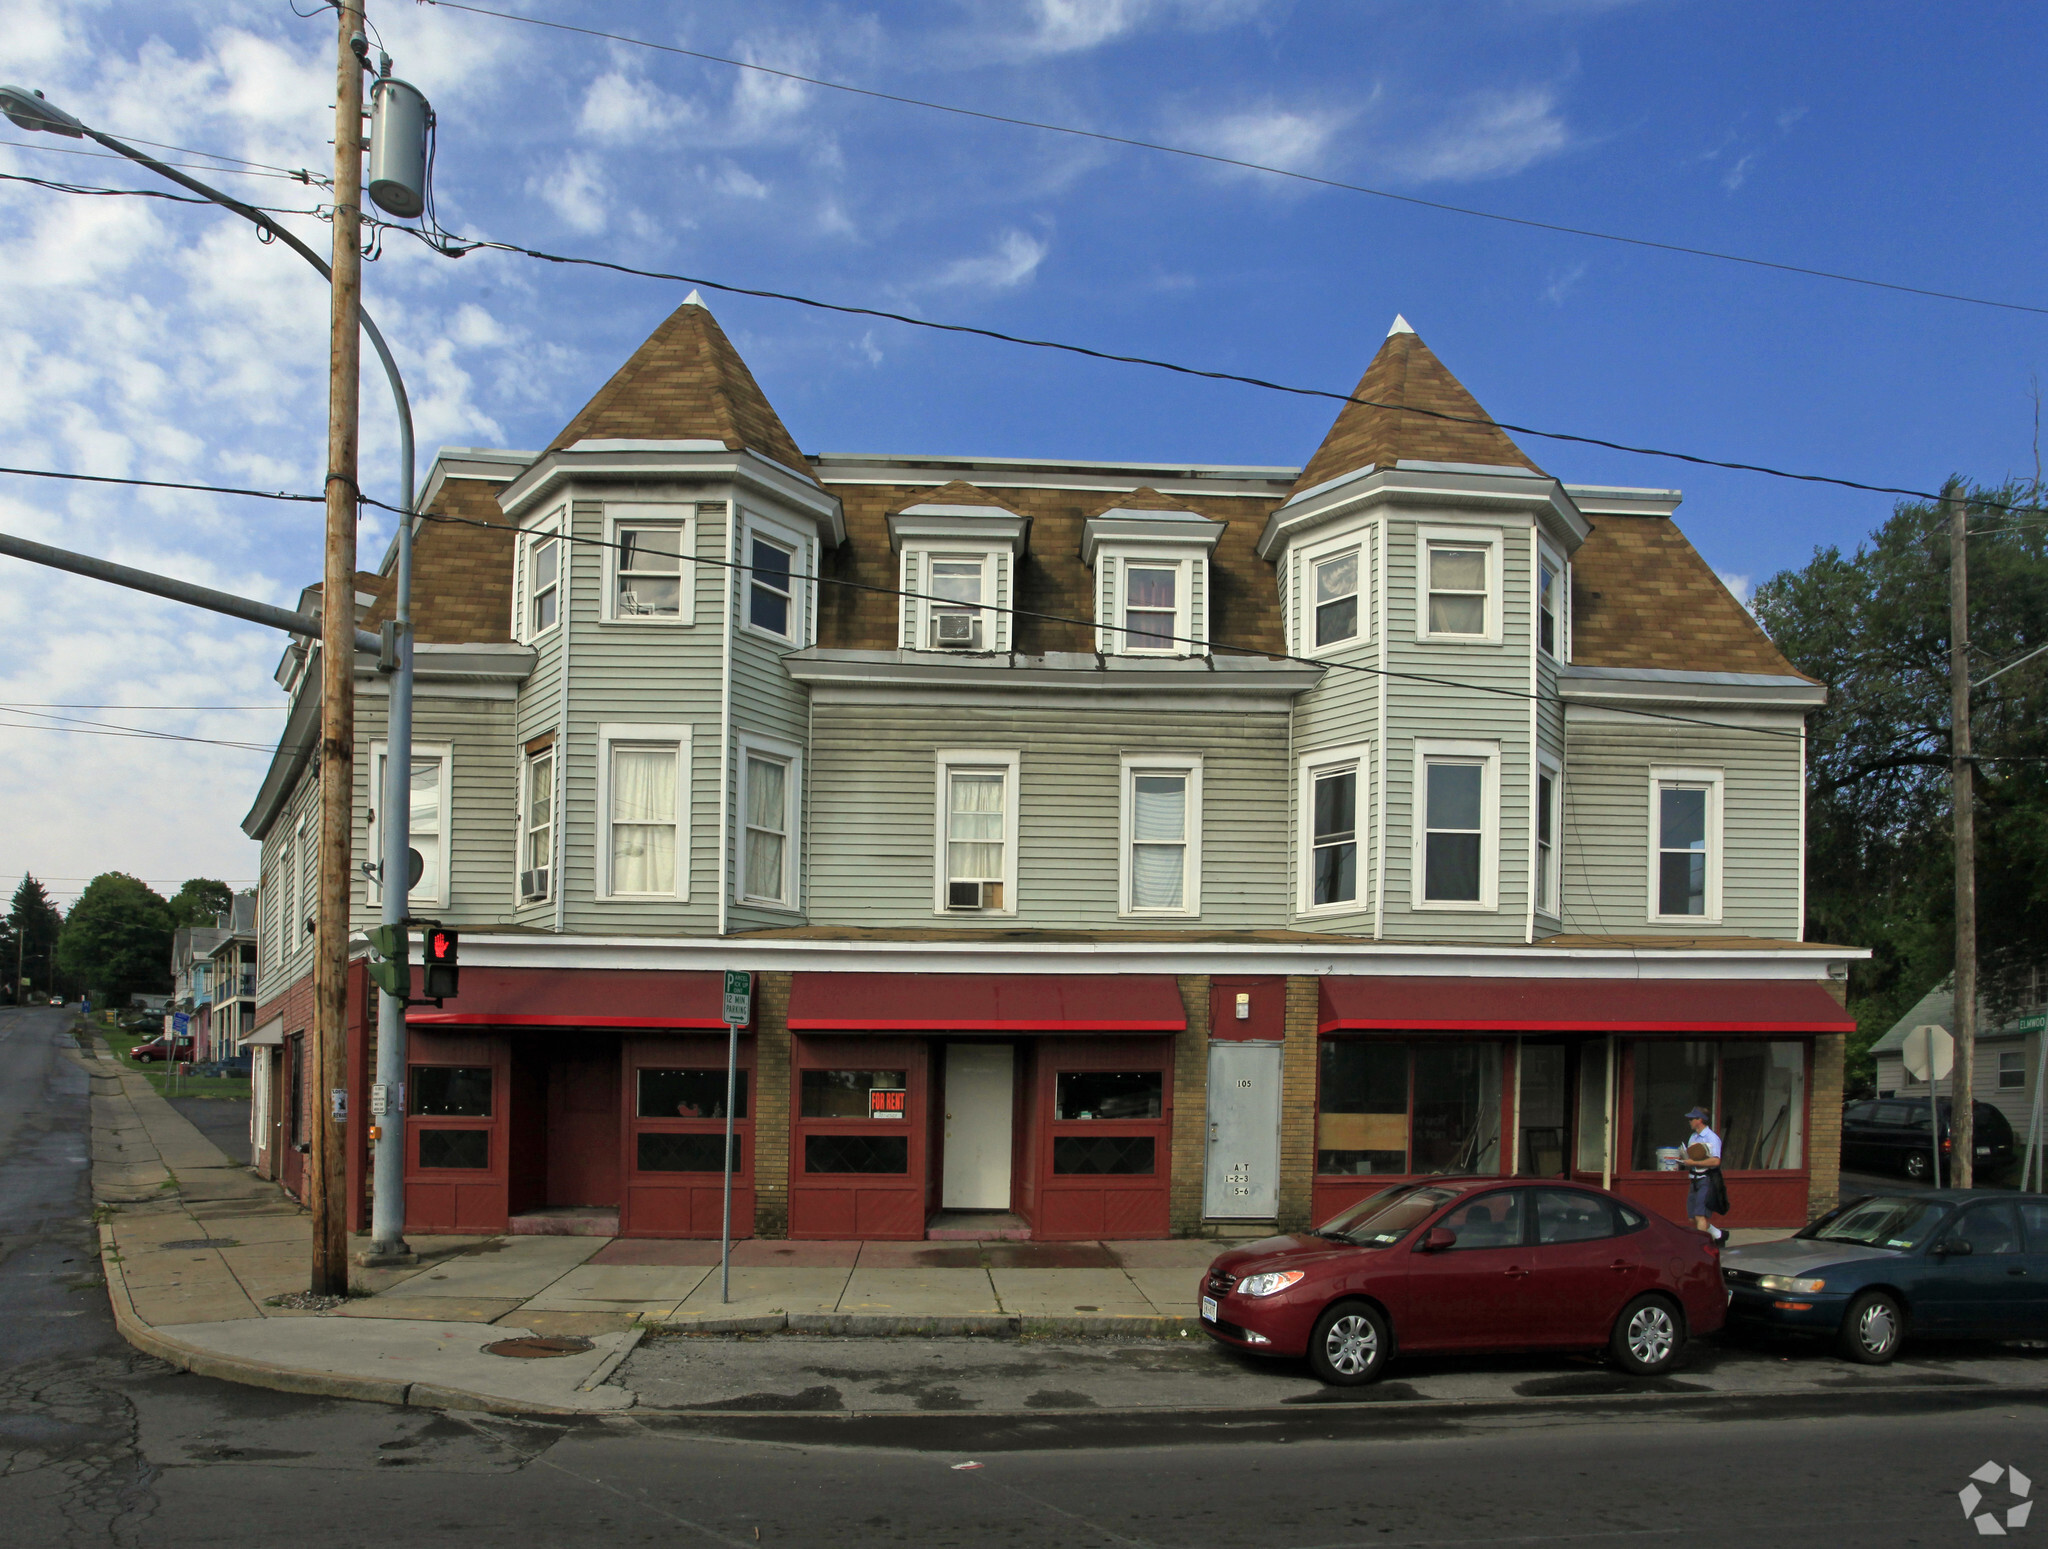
{"x": 206, "y": 489}
{"x": 298, "y": 175}
{"x": 1248, "y": 166}
{"x": 26, "y": 705}
{"x": 144, "y": 736}
{"x": 56, "y": 186}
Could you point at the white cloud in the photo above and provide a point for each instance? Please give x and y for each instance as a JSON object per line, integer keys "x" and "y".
{"x": 576, "y": 192}
{"x": 1492, "y": 134}
{"x": 1012, "y": 260}
{"x": 1788, "y": 117}
{"x": 1292, "y": 139}
{"x": 1738, "y": 174}
{"x": 1563, "y": 282}
{"x": 1049, "y": 28}
{"x": 735, "y": 181}
{"x": 621, "y": 109}
{"x": 1742, "y": 587}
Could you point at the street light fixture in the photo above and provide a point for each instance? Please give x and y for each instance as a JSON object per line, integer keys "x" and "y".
{"x": 399, "y": 169}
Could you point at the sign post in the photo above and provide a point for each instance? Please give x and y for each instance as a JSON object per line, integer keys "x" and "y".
{"x": 1930, "y": 1054}
{"x": 739, "y": 1007}
{"x": 2031, "y": 1167}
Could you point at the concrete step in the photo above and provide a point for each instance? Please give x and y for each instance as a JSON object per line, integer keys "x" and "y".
{"x": 566, "y": 1221}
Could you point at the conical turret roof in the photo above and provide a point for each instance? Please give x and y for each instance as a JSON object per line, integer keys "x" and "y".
{"x": 1406, "y": 376}
{"x": 686, "y": 383}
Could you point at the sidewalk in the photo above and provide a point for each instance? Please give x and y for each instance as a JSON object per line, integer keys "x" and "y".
{"x": 199, "y": 1252}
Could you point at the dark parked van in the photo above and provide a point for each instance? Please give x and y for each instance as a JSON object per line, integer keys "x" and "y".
{"x": 1889, "y": 1134}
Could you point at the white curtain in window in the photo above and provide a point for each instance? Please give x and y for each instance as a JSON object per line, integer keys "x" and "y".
{"x": 426, "y": 825}
{"x": 1158, "y": 841}
{"x": 974, "y": 829}
{"x": 767, "y": 827}
{"x": 643, "y": 820}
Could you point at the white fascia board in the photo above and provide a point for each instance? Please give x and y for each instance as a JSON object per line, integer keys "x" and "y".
{"x": 1149, "y": 529}
{"x": 1664, "y": 685}
{"x": 642, "y": 461}
{"x": 765, "y": 954}
{"x": 1355, "y": 493}
{"x": 1622, "y": 500}
{"x": 1784, "y": 720}
{"x": 1067, "y": 671}
{"x": 959, "y": 524}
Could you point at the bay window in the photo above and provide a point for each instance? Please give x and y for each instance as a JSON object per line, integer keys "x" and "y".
{"x": 1459, "y": 584}
{"x": 645, "y": 804}
{"x": 771, "y": 587}
{"x": 537, "y": 824}
{"x": 769, "y": 782}
{"x": 543, "y": 584}
{"x": 1334, "y": 596}
{"x": 1549, "y": 607}
{"x": 1458, "y": 823}
{"x": 651, "y": 576}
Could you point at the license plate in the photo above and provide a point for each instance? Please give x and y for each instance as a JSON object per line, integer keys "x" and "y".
{"x": 1209, "y": 1309}
{"x": 1983, "y": 1150}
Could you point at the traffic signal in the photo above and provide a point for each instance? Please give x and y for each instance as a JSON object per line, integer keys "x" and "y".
{"x": 438, "y": 960}
{"x": 390, "y": 970}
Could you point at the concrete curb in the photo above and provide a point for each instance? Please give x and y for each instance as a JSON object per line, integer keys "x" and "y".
{"x": 898, "y": 1325}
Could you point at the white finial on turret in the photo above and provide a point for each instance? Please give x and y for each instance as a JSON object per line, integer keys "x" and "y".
{"x": 695, "y": 300}
{"x": 1400, "y": 325}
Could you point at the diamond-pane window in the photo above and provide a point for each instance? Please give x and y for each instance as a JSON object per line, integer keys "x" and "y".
{"x": 659, "y": 1153}
{"x": 1102, "y": 1154}
{"x": 857, "y": 1153}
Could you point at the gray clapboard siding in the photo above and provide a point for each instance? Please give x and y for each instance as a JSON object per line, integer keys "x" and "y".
{"x": 874, "y": 804}
{"x": 768, "y": 703}
{"x": 1607, "y": 826}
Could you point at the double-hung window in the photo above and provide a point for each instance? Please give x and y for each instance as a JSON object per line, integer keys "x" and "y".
{"x": 954, "y": 595}
{"x": 1151, "y": 607}
{"x": 1460, "y": 576}
{"x": 543, "y": 584}
{"x": 646, "y": 810}
{"x": 309, "y": 880}
{"x": 430, "y": 798}
{"x": 771, "y": 589}
{"x": 769, "y": 782}
{"x": 649, "y": 560}
{"x": 1685, "y": 844}
{"x": 1333, "y": 808}
{"x": 977, "y": 833}
{"x": 1334, "y": 594}
{"x": 1550, "y": 602}
{"x": 1162, "y": 836}
{"x": 1547, "y": 785}
{"x": 537, "y": 825}
{"x": 1458, "y": 809}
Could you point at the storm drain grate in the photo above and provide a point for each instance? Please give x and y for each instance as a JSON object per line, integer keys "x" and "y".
{"x": 202, "y": 1242}
{"x": 539, "y": 1347}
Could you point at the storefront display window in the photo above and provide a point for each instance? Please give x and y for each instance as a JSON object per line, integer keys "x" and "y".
{"x": 1593, "y": 1106}
{"x": 841, "y": 1153}
{"x": 455, "y": 1148}
{"x": 661, "y": 1152}
{"x": 689, "y": 1094}
{"x": 1104, "y": 1094}
{"x": 451, "y": 1092}
{"x": 843, "y": 1094}
{"x": 1756, "y": 1091}
{"x": 1127, "y": 1155}
{"x": 1409, "y": 1109}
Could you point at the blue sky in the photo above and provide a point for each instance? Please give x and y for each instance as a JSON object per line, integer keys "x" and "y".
{"x": 159, "y": 340}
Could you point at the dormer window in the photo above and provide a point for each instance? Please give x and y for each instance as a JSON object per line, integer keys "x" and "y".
{"x": 1151, "y": 566}
{"x": 1151, "y": 607}
{"x": 958, "y": 586}
{"x": 958, "y": 562}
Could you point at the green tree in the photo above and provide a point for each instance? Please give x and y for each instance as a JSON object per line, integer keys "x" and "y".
{"x": 1873, "y": 626}
{"x": 33, "y": 924}
{"x": 117, "y": 939}
{"x": 199, "y": 900}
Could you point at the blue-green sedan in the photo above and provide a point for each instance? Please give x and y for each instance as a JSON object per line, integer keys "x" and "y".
{"x": 1949, "y": 1263}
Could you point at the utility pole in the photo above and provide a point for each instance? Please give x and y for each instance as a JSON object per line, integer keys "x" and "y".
{"x": 327, "y": 1188}
{"x": 1962, "y": 1101}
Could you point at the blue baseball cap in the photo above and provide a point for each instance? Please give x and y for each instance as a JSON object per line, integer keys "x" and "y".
{"x": 1698, "y": 1113}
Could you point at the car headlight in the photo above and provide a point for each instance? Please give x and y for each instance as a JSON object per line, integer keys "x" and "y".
{"x": 1790, "y": 1283}
{"x": 1267, "y": 1284}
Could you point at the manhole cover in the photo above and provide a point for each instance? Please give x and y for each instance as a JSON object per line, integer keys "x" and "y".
{"x": 539, "y": 1348}
{"x": 202, "y": 1242}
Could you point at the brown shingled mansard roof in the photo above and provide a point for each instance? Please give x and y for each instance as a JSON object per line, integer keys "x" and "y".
{"x": 1642, "y": 597}
{"x": 958, "y": 493}
{"x": 1376, "y": 433}
{"x": 1143, "y": 498}
{"x": 686, "y": 383}
{"x": 461, "y": 573}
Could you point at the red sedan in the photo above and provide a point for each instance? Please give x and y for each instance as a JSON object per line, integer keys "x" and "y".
{"x": 1470, "y": 1264}
{"x": 164, "y": 1048}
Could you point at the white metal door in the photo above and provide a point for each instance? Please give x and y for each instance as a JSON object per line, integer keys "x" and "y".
{"x": 1244, "y": 1131}
{"x": 979, "y": 1078}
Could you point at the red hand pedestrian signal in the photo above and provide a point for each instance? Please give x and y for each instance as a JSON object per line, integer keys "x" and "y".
{"x": 438, "y": 964}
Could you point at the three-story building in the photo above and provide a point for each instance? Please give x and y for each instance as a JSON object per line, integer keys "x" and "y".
{"x": 1120, "y": 849}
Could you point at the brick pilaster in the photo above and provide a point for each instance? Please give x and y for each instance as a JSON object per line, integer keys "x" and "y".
{"x": 1190, "y": 1110}
{"x": 1824, "y": 1116}
{"x": 770, "y": 1100}
{"x": 1298, "y": 1104}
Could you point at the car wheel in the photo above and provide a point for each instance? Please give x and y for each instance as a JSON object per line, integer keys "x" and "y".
{"x": 1350, "y": 1345}
{"x": 1918, "y": 1165}
{"x": 1872, "y": 1329}
{"x": 1649, "y": 1337}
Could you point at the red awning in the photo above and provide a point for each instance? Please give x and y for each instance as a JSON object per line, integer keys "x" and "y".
{"x": 986, "y": 1003}
{"x": 578, "y": 997}
{"x": 1582, "y": 1005}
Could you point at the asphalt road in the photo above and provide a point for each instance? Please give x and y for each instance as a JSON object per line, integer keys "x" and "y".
{"x": 99, "y": 1446}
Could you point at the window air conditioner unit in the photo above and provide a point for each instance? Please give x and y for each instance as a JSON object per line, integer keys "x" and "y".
{"x": 956, "y": 631}
{"x": 969, "y": 895}
{"x": 533, "y": 885}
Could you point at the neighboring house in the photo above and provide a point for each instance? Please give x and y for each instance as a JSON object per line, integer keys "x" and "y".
{"x": 192, "y": 983}
{"x": 2008, "y": 1061}
{"x": 1301, "y": 830}
{"x": 232, "y": 977}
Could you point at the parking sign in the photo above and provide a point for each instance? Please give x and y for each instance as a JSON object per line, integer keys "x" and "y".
{"x": 739, "y": 998}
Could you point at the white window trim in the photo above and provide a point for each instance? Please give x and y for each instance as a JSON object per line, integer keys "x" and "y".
{"x": 753, "y": 524}
{"x": 945, "y": 762}
{"x": 636, "y": 734}
{"x": 1190, "y": 628}
{"x": 792, "y": 847}
{"x": 1130, "y": 766}
{"x": 1306, "y": 559}
{"x": 1489, "y": 538}
{"x": 1715, "y": 780}
{"x": 648, "y": 514}
{"x": 305, "y": 902}
{"x": 520, "y": 827}
{"x": 1546, "y": 555}
{"x": 421, "y": 751}
{"x": 549, "y": 526}
{"x": 995, "y": 626}
{"x": 1487, "y": 754}
{"x": 1329, "y": 761}
{"x": 1546, "y": 765}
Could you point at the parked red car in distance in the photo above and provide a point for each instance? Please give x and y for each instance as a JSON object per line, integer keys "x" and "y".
{"x": 1464, "y": 1264}
{"x": 163, "y": 1048}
